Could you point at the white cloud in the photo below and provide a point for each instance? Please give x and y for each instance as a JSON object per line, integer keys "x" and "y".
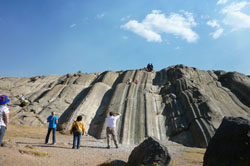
{"x": 156, "y": 23}
{"x": 100, "y": 16}
{"x": 125, "y": 18}
{"x": 221, "y": 2}
{"x": 234, "y": 7}
{"x": 142, "y": 30}
{"x": 72, "y": 25}
{"x": 217, "y": 33}
{"x": 234, "y": 17}
{"x": 205, "y": 17}
{"x": 213, "y": 23}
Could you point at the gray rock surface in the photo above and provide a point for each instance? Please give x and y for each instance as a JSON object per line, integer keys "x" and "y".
{"x": 230, "y": 145}
{"x": 150, "y": 152}
{"x": 179, "y": 103}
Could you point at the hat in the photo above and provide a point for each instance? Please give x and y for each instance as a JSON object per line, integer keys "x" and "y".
{"x": 4, "y": 99}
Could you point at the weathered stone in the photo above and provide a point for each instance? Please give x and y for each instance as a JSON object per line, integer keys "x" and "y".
{"x": 148, "y": 153}
{"x": 179, "y": 103}
{"x": 230, "y": 146}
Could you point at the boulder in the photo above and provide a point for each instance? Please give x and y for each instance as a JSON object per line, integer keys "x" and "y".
{"x": 148, "y": 153}
{"x": 230, "y": 146}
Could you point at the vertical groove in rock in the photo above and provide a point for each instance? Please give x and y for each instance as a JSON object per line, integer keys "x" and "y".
{"x": 179, "y": 103}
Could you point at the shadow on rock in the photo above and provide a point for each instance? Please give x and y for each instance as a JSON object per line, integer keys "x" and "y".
{"x": 114, "y": 163}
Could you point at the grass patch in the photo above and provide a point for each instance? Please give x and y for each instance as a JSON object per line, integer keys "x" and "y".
{"x": 172, "y": 163}
{"x": 194, "y": 155}
{"x": 14, "y": 131}
{"x": 34, "y": 153}
{"x": 29, "y": 147}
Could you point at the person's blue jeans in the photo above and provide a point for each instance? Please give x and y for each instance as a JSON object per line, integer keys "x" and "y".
{"x": 2, "y": 131}
{"x": 53, "y": 135}
{"x": 77, "y": 137}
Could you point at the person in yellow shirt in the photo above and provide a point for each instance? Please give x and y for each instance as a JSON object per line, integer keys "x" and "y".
{"x": 78, "y": 129}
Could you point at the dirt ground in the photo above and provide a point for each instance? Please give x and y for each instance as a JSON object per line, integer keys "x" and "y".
{"x": 24, "y": 146}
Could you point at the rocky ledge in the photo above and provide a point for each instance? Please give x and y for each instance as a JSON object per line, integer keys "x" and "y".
{"x": 179, "y": 103}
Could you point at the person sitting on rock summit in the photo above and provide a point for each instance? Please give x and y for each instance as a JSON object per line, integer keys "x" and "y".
{"x": 111, "y": 125}
{"x": 150, "y": 67}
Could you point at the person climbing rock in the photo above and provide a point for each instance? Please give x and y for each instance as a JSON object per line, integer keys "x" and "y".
{"x": 23, "y": 101}
{"x": 129, "y": 81}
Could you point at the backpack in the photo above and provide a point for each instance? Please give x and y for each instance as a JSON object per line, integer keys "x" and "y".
{"x": 75, "y": 128}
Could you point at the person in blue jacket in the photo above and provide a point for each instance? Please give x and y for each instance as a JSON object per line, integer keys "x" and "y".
{"x": 53, "y": 121}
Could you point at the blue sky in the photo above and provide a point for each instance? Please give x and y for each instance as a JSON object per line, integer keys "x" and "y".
{"x": 45, "y": 37}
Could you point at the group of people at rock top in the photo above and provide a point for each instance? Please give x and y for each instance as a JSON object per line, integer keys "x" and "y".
{"x": 150, "y": 67}
{"x": 77, "y": 128}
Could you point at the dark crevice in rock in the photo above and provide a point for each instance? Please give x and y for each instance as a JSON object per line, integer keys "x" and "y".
{"x": 181, "y": 103}
{"x": 41, "y": 96}
{"x": 97, "y": 124}
{"x": 69, "y": 112}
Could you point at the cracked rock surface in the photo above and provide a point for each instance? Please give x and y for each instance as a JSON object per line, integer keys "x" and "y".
{"x": 179, "y": 103}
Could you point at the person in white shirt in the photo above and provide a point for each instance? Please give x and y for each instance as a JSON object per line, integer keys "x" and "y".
{"x": 111, "y": 125}
{"x": 4, "y": 116}
{"x": 22, "y": 98}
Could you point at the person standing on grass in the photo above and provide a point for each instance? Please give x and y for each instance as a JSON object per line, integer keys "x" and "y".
{"x": 78, "y": 129}
{"x": 53, "y": 121}
{"x": 111, "y": 125}
{"x": 4, "y": 116}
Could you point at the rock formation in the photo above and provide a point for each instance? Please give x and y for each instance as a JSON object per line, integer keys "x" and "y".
{"x": 149, "y": 152}
{"x": 179, "y": 103}
{"x": 230, "y": 145}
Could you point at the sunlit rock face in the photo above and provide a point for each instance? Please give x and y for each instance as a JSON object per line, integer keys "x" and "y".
{"x": 178, "y": 103}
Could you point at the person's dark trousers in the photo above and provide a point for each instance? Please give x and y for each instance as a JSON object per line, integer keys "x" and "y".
{"x": 2, "y": 131}
{"x": 53, "y": 135}
{"x": 77, "y": 137}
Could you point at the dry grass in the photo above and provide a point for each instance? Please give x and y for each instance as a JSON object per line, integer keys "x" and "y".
{"x": 14, "y": 131}
{"x": 34, "y": 153}
{"x": 29, "y": 147}
{"x": 194, "y": 155}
